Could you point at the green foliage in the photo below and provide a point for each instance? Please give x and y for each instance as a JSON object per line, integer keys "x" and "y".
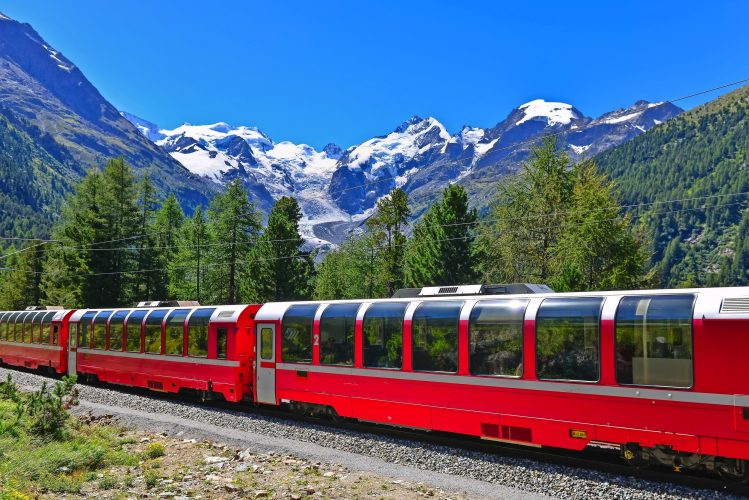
{"x": 49, "y": 411}
{"x": 280, "y": 270}
{"x": 441, "y": 250}
{"x": 702, "y": 152}
{"x": 152, "y": 478}
{"x": 155, "y": 450}
{"x": 560, "y": 223}
{"x": 107, "y": 482}
{"x": 387, "y": 225}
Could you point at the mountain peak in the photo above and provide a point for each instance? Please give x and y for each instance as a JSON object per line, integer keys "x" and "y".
{"x": 411, "y": 121}
{"x": 332, "y": 151}
{"x": 553, "y": 113}
{"x": 3, "y": 17}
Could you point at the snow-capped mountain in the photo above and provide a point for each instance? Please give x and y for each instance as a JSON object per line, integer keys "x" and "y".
{"x": 338, "y": 189}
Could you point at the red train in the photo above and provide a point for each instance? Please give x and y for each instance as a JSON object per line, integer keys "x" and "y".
{"x": 656, "y": 373}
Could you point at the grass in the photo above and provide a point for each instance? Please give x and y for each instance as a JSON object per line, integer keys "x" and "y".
{"x": 31, "y": 464}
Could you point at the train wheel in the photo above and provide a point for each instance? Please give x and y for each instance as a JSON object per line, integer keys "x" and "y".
{"x": 337, "y": 418}
{"x": 738, "y": 474}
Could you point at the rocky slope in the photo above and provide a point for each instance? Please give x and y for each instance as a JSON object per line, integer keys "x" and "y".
{"x": 41, "y": 85}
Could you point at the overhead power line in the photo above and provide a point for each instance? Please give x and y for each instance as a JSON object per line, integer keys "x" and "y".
{"x": 412, "y": 243}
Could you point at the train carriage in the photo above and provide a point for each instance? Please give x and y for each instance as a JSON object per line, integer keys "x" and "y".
{"x": 166, "y": 347}
{"x": 655, "y": 372}
{"x": 33, "y": 338}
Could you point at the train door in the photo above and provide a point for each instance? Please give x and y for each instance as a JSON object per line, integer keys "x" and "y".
{"x": 265, "y": 371}
{"x": 72, "y": 348}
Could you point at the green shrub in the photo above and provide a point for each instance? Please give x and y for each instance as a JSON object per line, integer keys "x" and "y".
{"x": 60, "y": 483}
{"x": 9, "y": 390}
{"x": 127, "y": 480}
{"x": 107, "y": 483}
{"x": 49, "y": 411}
{"x": 155, "y": 450}
{"x": 152, "y": 478}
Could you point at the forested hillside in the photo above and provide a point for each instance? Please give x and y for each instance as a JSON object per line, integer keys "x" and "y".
{"x": 33, "y": 184}
{"x": 700, "y": 155}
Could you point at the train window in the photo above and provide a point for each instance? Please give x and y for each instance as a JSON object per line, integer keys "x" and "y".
{"x": 28, "y": 327}
{"x": 221, "y": 343}
{"x": 72, "y": 333}
{"x": 117, "y": 330}
{"x": 337, "y": 326}
{"x": 434, "y": 336}
{"x": 99, "y": 332}
{"x": 153, "y": 331}
{"x": 296, "y": 338}
{"x": 21, "y": 334}
{"x": 266, "y": 343}
{"x": 37, "y": 325}
{"x": 495, "y": 338}
{"x": 567, "y": 339}
{"x": 10, "y": 327}
{"x": 654, "y": 340}
{"x": 46, "y": 325}
{"x": 197, "y": 332}
{"x": 33, "y": 326}
{"x": 84, "y": 330}
{"x": 175, "y": 332}
{"x": 4, "y": 325}
{"x": 382, "y": 339}
{"x": 133, "y": 330}
{"x": 55, "y": 334}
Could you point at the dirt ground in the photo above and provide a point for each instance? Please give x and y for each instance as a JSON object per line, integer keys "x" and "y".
{"x": 180, "y": 469}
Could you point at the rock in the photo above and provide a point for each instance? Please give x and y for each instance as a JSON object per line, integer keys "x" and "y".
{"x": 181, "y": 498}
{"x": 231, "y": 488}
{"x": 145, "y": 440}
{"x": 166, "y": 494}
{"x": 309, "y": 489}
{"x": 260, "y": 493}
{"x": 241, "y": 467}
{"x": 329, "y": 474}
{"x": 294, "y": 497}
{"x": 215, "y": 460}
{"x": 212, "y": 477}
{"x": 64, "y": 469}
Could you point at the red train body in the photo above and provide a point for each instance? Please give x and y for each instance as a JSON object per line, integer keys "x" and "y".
{"x": 656, "y": 372}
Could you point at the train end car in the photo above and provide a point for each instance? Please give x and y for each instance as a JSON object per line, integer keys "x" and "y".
{"x": 34, "y": 338}
{"x": 656, "y": 373}
{"x": 167, "y": 347}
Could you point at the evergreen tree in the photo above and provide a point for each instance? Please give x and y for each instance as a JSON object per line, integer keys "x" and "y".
{"x": 441, "y": 249}
{"x": 281, "y": 271}
{"x": 387, "y": 225}
{"x": 22, "y": 287}
{"x": 236, "y": 224}
{"x": 167, "y": 223}
{"x": 147, "y": 284}
{"x": 187, "y": 269}
{"x": 352, "y": 271}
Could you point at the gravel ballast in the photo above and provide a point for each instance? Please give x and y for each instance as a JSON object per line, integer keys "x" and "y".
{"x": 509, "y": 473}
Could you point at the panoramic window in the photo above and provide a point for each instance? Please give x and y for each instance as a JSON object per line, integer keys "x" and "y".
{"x": 495, "y": 333}
{"x": 152, "y": 336}
{"x": 221, "y": 342}
{"x": 32, "y": 330}
{"x": 382, "y": 338}
{"x": 46, "y": 326}
{"x": 266, "y": 343}
{"x": 4, "y": 325}
{"x": 37, "y": 335}
{"x": 10, "y": 327}
{"x": 197, "y": 333}
{"x": 72, "y": 334}
{"x": 567, "y": 339}
{"x": 84, "y": 331}
{"x": 175, "y": 332}
{"x": 337, "y": 326}
{"x": 296, "y": 334}
{"x": 21, "y": 334}
{"x": 434, "y": 336}
{"x": 100, "y": 330}
{"x": 117, "y": 330}
{"x": 134, "y": 330}
{"x": 654, "y": 340}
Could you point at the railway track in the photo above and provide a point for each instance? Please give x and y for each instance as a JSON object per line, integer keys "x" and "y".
{"x": 591, "y": 458}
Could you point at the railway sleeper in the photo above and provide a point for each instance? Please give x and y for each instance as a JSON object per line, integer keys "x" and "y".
{"x": 731, "y": 469}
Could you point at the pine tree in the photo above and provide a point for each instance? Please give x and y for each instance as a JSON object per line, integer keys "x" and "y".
{"x": 167, "y": 224}
{"x": 187, "y": 269}
{"x": 146, "y": 283}
{"x": 236, "y": 224}
{"x": 387, "y": 225}
{"x": 441, "y": 249}
{"x": 281, "y": 271}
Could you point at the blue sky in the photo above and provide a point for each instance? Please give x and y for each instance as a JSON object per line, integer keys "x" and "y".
{"x": 319, "y": 72}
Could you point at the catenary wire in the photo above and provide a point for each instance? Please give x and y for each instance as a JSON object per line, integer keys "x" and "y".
{"x": 419, "y": 242}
